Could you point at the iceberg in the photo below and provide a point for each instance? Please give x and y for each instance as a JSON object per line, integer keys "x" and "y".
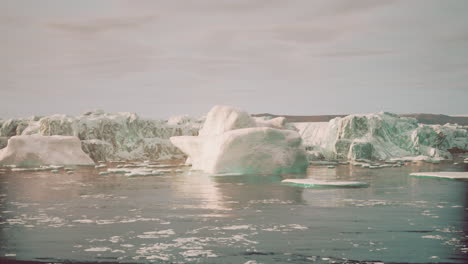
{"x": 380, "y": 136}
{"x": 36, "y": 150}
{"x": 310, "y": 183}
{"x": 126, "y": 136}
{"x": 451, "y": 175}
{"x": 231, "y": 141}
{"x": 109, "y": 136}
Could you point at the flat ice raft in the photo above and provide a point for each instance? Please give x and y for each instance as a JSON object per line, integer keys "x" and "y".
{"x": 309, "y": 183}
{"x": 451, "y": 175}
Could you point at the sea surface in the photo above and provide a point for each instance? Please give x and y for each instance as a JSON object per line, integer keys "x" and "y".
{"x": 185, "y": 216}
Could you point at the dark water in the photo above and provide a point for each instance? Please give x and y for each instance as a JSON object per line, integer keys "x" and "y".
{"x": 191, "y": 217}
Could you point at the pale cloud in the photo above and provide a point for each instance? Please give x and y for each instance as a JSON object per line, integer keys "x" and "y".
{"x": 102, "y": 25}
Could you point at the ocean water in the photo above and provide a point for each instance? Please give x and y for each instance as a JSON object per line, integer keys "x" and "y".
{"x": 192, "y": 217}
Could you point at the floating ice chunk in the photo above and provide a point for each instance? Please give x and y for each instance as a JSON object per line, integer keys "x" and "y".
{"x": 98, "y": 249}
{"x": 133, "y": 172}
{"x": 236, "y": 227}
{"x": 198, "y": 253}
{"x": 227, "y": 174}
{"x": 84, "y": 221}
{"x": 142, "y": 173}
{"x": 42, "y": 168}
{"x": 119, "y": 170}
{"x": 452, "y": 175}
{"x": 232, "y": 141}
{"x": 160, "y": 166}
{"x": 318, "y": 183}
{"x": 433, "y": 237}
{"x": 323, "y": 162}
{"x": 38, "y": 150}
{"x": 100, "y": 166}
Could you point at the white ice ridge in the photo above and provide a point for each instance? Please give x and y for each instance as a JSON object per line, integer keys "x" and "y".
{"x": 38, "y": 150}
{"x": 380, "y": 136}
{"x": 319, "y": 183}
{"x": 453, "y": 175}
{"x": 231, "y": 141}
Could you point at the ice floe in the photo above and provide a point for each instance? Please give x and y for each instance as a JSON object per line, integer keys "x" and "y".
{"x": 133, "y": 172}
{"x": 320, "y": 183}
{"x": 452, "y": 175}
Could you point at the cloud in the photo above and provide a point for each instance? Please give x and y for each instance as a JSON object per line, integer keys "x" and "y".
{"x": 102, "y": 24}
{"x": 346, "y": 6}
{"x": 356, "y": 53}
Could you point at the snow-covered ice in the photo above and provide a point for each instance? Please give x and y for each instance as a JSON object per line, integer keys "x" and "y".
{"x": 231, "y": 141}
{"x": 36, "y": 150}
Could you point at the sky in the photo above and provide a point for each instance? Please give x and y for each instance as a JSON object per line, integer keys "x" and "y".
{"x": 164, "y": 58}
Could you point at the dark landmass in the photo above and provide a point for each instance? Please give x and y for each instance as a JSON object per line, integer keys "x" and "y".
{"x": 431, "y": 119}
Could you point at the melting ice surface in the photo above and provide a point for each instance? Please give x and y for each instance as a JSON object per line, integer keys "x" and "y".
{"x": 183, "y": 216}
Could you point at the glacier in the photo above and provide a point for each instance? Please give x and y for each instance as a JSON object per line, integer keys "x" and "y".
{"x": 36, "y": 150}
{"x": 231, "y": 141}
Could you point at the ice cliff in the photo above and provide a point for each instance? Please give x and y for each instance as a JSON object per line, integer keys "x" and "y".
{"x": 109, "y": 136}
{"x": 231, "y": 141}
{"x": 380, "y": 136}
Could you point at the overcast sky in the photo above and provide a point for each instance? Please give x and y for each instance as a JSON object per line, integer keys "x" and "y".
{"x": 161, "y": 58}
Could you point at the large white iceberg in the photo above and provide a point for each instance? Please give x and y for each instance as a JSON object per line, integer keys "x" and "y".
{"x": 36, "y": 150}
{"x": 380, "y": 136}
{"x": 231, "y": 141}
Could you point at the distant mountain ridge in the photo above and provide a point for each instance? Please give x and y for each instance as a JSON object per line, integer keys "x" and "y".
{"x": 430, "y": 119}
